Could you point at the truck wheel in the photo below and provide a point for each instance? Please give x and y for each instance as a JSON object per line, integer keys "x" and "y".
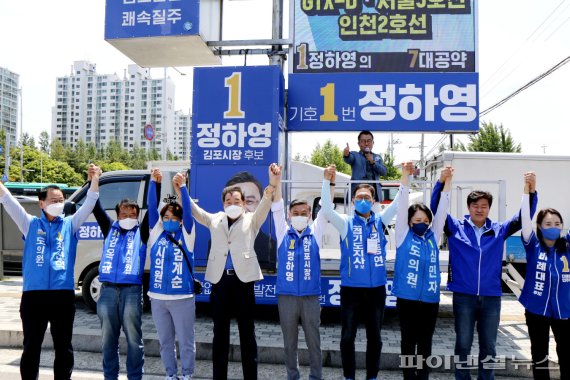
{"x": 91, "y": 288}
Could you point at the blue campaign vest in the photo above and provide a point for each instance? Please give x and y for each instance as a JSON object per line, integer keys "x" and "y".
{"x": 358, "y": 268}
{"x": 416, "y": 273}
{"x": 123, "y": 256}
{"x": 49, "y": 254}
{"x": 169, "y": 273}
{"x": 546, "y": 288}
{"x": 299, "y": 264}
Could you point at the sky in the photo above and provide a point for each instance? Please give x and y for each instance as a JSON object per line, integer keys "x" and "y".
{"x": 518, "y": 41}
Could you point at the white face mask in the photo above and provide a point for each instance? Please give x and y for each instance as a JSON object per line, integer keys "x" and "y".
{"x": 128, "y": 223}
{"x": 54, "y": 209}
{"x": 299, "y": 223}
{"x": 233, "y": 211}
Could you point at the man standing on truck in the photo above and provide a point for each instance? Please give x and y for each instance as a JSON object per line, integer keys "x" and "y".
{"x": 47, "y": 266}
{"x": 232, "y": 270}
{"x": 365, "y": 165}
{"x": 299, "y": 280}
{"x": 476, "y": 246}
{"x": 362, "y": 272}
{"x": 121, "y": 274}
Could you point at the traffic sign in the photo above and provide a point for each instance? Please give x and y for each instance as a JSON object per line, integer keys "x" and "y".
{"x": 149, "y": 132}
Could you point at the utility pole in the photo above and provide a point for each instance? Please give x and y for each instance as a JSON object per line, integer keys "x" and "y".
{"x": 275, "y": 58}
{"x": 21, "y": 139}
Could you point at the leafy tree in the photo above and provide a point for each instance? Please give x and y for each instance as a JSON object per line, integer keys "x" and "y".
{"x": 44, "y": 142}
{"x": 300, "y": 158}
{"x": 392, "y": 172}
{"x": 138, "y": 158}
{"x": 491, "y": 138}
{"x": 27, "y": 140}
{"x": 40, "y": 167}
{"x": 328, "y": 154}
{"x": 57, "y": 150}
{"x": 112, "y": 166}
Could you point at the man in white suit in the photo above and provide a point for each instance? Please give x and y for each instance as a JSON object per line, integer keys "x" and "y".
{"x": 232, "y": 269}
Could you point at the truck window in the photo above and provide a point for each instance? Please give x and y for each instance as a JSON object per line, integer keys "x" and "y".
{"x": 111, "y": 193}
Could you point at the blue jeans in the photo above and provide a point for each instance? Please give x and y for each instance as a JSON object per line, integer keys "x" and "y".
{"x": 486, "y": 311}
{"x": 121, "y": 306}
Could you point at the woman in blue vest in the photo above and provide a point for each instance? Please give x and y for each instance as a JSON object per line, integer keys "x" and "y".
{"x": 171, "y": 284}
{"x": 546, "y": 291}
{"x": 416, "y": 274}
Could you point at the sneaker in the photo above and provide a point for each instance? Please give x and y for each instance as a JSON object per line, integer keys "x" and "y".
{"x": 175, "y": 377}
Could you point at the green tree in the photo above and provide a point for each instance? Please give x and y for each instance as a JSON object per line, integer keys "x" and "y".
{"x": 491, "y": 138}
{"x": 112, "y": 166}
{"x": 392, "y": 172}
{"x": 57, "y": 150}
{"x": 27, "y": 140}
{"x": 328, "y": 154}
{"x": 40, "y": 167}
{"x": 44, "y": 142}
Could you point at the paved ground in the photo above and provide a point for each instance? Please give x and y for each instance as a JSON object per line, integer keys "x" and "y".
{"x": 513, "y": 343}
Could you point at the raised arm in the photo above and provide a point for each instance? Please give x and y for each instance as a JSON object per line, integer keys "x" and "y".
{"x": 152, "y": 198}
{"x": 15, "y": 210}
{"x": 179, "y": 184}
{"x": 321, "y": 222}
{"x": 260, "y": 213}
{"x": 402, "y": 226}
{"x": 515, "y": 223}
{"x": 347, "y": 155}
{"x": 440, "y": 216}
{"x": 526, "y": 219}
{"x": 329, "y": 213}
{"x": 86, "y": 208}
{"x": 103, "y": 219}
{"x": 278, "y": 214}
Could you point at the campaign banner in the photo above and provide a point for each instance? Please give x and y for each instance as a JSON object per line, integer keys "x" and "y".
{"x": 395, "y": 102}
{"x": 237, "y": 115}
{"x": 265, "y": 293}
{"x": 384, "y": 36}
{"x": 151, "y": 18}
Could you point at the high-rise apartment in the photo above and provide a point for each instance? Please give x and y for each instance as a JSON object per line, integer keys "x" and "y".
{"x": 100, "y": 108}
{"x": 9, "y": 106}
{"x": 182, "y": 125}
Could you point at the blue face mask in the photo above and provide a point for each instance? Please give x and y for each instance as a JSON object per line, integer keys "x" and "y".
{"x": 552, "y": 233}
{"x": 420, "y": 228}
{"x": 363, "y": 206}
{"x": 171, "y": 225}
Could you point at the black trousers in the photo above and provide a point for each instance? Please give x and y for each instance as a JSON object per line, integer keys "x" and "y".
{"x": 539, "y": 333}
{"x": 361, "y": 305}
{"x": 37, "y": 308}
{"x": 417, "y": 324}
{"x": 231, "y": 297}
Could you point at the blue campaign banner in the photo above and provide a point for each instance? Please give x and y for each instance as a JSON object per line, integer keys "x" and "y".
{"x": 237, "y": 114}
{"x": 265, "y": 291}
{"x": 514, "y": 249}
{"x": 151, "y": 18}
{"x": 206, "y": 185}
{"x": 90, "y": 231}
{"x": 402, "y": 102}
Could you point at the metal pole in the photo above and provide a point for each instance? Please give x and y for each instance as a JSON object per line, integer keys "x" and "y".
{"x": 21, "y": 140}
{"x": 7, "y": 154}
{"x": 277, "y": 33}
{"x": 163, "y": 132}
{"x": 422, "y": 160}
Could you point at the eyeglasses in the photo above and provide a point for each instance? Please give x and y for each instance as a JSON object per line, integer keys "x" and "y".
{"x": 366, "y": 141}
{"x": 365, "y": 197}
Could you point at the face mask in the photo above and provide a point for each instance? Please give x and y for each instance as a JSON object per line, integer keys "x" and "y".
{"x": 54, "y": 209}
{"x": 299, "y": 223}
{"x": 128, "y": 223}
{"x": 420, "y": 228}
{"x": 363, "y": 206}
{"x": 171, "y": 225}
{"x": 233, "y": 211}
{"x": 552, "y": 233}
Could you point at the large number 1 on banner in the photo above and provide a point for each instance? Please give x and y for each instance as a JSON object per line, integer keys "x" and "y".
{"x": 565, "y": 269}
{"x": 233, "y": 82}
{"x": 327, "y": 93}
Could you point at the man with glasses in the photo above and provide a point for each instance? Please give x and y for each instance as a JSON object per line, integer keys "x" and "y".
{"x": 362, "y": 272}
{"x": 366, "y": 166}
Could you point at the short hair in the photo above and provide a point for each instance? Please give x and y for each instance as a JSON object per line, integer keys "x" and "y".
{"x": 230, "y": 190}
{"x": 44, "y": 191}
{"x": 366, "y": 186}
{"x": 299, "y": 202}
{"x": 419, "y": 207}
{"x": 242, "y": 177}
{"x": 128, "y": 203}
{"x": 175, "y": 208}
{"x": 477, "y": 195}
{"x": 365, "y": 133}
{"x": 560, "y": 243}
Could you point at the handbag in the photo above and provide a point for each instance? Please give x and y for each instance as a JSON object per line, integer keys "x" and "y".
{"x": 197, "y": 284}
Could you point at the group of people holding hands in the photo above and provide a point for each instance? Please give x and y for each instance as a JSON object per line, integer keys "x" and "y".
{"x": 166, "y": 235}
